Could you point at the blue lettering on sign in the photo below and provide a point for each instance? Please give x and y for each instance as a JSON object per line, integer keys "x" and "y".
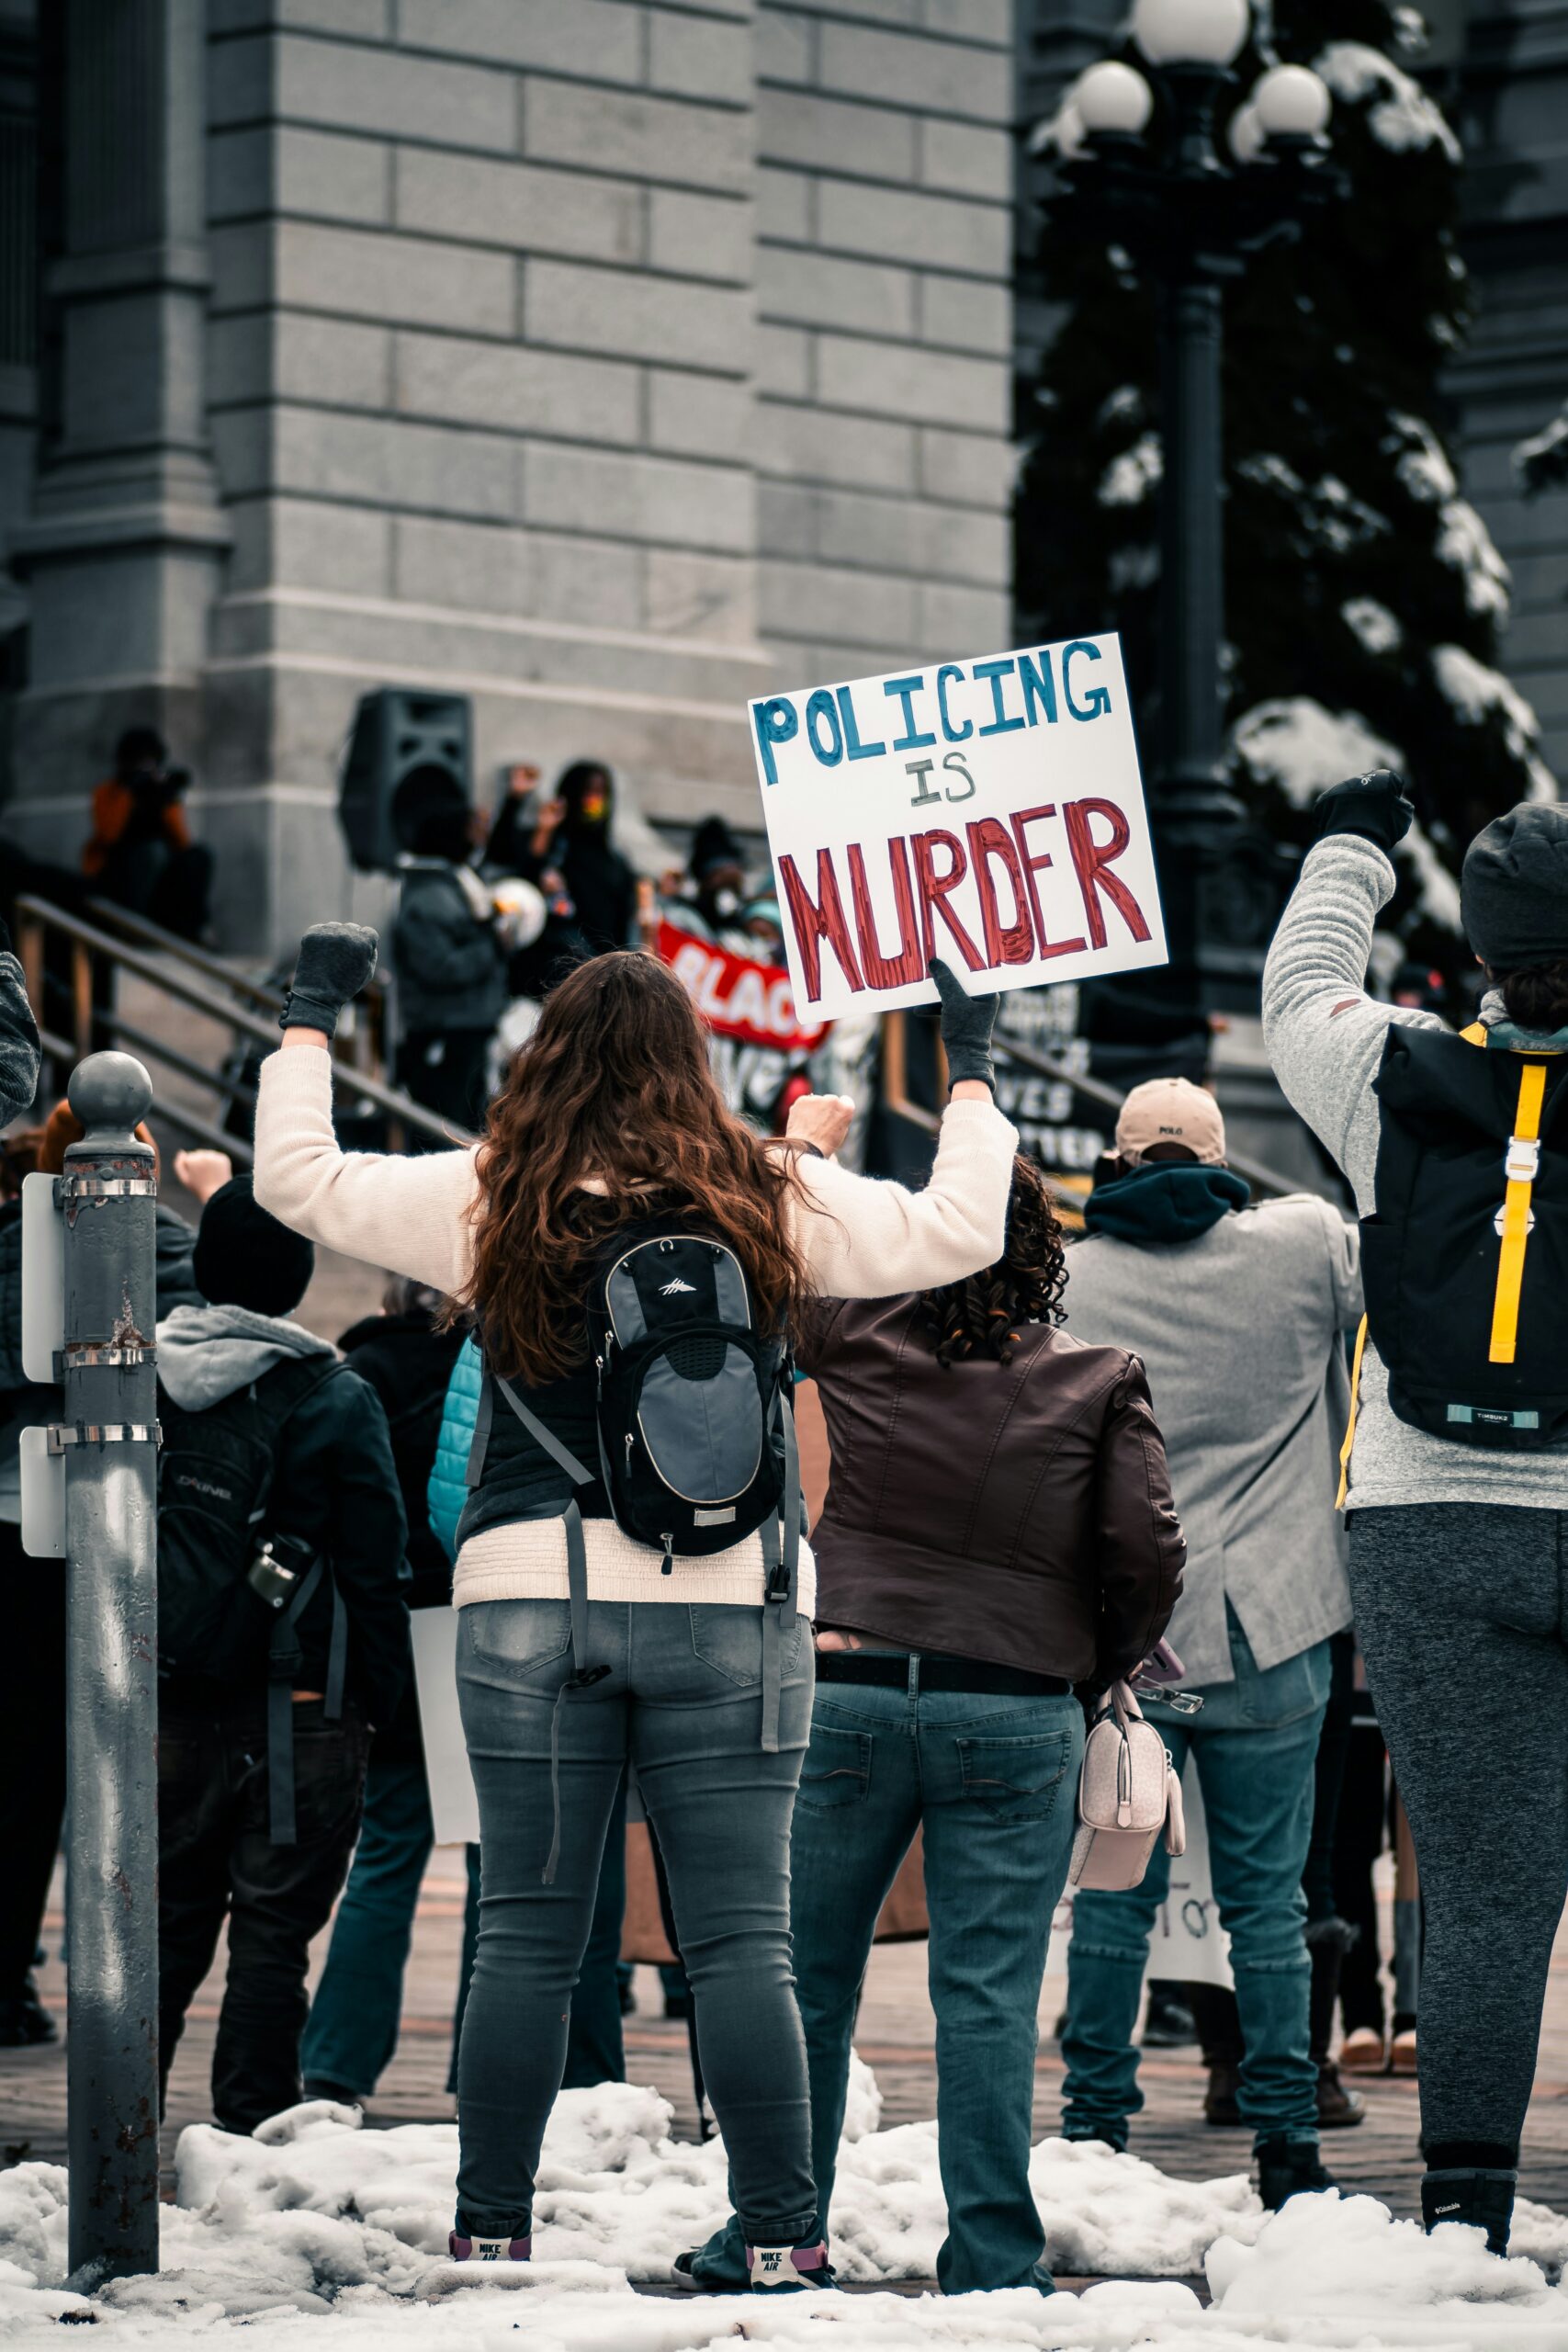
{"x": 857, "y": 749}
{"x": 997, "y": 672}
{"x": 906, "y": 689}
{"x": 821, "y": 707}
{"x": 775, "y": 722}
{"x": 1039, "y": 686}
{"x": 1098, "y": 699}
{"x": 954, "y": 734}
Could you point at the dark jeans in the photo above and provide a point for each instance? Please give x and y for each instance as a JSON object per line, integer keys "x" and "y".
{"x": 992, "y": 1780}
{"x": 1255, "y": 1746}
{"x": 32, "y": 1749}
{"x": 216, "y": 1858}
{"x": 682, "y": 1701}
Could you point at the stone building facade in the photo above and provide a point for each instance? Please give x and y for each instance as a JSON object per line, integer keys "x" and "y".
{"x": 606, "y": 362}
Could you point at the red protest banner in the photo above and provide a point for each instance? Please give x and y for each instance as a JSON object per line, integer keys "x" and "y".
{"x": 736, "y": 997}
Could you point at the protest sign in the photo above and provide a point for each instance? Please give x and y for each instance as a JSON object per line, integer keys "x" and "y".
{"x": 990, "y": 811}
{"x": 736, "y": 996}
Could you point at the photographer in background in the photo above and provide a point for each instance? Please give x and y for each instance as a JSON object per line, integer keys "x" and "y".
{"x": 140, "y": 853}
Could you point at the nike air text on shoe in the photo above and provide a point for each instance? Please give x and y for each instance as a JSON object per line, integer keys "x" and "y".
{"x": 788, "y": 2269}
{"x": 466, "y": 2249}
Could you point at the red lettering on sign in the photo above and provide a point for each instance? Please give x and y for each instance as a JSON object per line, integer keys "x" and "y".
{"x": 1010, "y": 942}
{"x": 934, "y": 888}
{"x": 1092, "y": 861}
{"x": 819, "y": 919}
{"x": 1039, "y": 862}
{"x": 887, "y": 971}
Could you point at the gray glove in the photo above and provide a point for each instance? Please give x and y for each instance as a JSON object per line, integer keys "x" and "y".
{"x": 966, "y": 1025}
{"x": 335, "y": 959}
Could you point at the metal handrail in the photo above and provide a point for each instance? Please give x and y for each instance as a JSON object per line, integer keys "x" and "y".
{"x": 190, "y": 1123}
{"x": 151, "y": 934}
{"x": 34, "y": 914}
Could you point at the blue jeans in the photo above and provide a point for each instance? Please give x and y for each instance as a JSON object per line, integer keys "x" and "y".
{"x": 682, "y": 1699}
{"x": 353, "y": 2026}
{"x": 992, "y": 1780}
{"x": 1256, "y": 1748}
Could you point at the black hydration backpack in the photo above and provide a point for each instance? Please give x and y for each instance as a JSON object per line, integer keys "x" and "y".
{"x": 1465, "y": 1260}
{"x": 215, "y": 1478}
{"x": 696, "y": 1427}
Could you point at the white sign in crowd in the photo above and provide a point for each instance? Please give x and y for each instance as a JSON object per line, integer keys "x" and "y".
{"x": 990, "y": 811}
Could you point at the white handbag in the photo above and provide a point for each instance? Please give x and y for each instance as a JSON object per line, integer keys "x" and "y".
{"x": 1129, "y": 1792}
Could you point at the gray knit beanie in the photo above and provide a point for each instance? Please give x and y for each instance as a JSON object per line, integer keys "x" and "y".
{"x": 1514, "y": 889}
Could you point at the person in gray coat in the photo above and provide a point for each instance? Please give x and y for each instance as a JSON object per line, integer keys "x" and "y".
{"x": 449, "y": 955}
{"x": 1237, "y": 1314}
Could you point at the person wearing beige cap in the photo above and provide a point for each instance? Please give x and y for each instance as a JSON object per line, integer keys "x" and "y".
{"x": 1237, "y": 1314}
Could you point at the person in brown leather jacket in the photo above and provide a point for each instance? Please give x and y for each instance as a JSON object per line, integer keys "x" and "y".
{"x": 998, "y": 1527}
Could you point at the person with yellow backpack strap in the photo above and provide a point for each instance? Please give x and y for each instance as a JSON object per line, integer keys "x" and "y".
{"x": 1456, "y": 1461}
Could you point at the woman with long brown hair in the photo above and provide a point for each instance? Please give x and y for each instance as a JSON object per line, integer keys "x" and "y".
{"x": 998, "y": 1527}
{"x": 691, "y": 1665}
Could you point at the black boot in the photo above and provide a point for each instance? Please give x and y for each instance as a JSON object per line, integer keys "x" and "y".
{"x": 1289, "y": 2167}
{"x": 1327, "y": 1942}
{"x": 25, "y": 2023}
{"x": 1483, "y": 2199}
{"x": 1219, "y": 2036}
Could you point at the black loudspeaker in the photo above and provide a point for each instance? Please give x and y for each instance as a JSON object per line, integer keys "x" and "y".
{"x": 410, "y": 752}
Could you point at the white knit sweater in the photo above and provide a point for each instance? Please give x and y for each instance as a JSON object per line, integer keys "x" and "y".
{"x": 859, "y": 1237}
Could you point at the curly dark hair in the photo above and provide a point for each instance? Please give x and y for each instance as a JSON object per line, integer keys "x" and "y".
{"x": 981, "y": 1315}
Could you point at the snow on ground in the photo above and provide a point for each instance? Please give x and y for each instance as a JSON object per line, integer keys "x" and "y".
{"x": 316, "y": 2219}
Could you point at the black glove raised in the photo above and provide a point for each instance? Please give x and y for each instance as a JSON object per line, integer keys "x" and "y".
{"x": 335, "y": 959}
{"x": 966, "y": 1025}
{"x": 1376, "y": 806}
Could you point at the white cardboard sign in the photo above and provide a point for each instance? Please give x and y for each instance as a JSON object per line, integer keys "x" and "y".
{"x": 454, "y": 1805}
{"x": 990, "y": 811}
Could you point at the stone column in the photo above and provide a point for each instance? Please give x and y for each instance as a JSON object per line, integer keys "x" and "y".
{"x": 126, "y": 533}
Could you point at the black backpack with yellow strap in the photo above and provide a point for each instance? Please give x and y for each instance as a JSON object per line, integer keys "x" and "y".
{"x": 1465, "y": 1260}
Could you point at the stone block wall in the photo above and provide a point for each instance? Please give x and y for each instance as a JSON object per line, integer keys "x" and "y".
{"x": 609, "y": 361}
{"x": 884, "y": 268}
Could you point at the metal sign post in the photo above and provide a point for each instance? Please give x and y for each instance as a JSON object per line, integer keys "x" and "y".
{"x": 108, "y": 1434}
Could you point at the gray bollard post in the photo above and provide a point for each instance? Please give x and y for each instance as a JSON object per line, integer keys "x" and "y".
{"x": 109, "y": 1436}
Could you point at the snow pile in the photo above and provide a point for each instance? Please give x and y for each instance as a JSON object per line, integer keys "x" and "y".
{"x": 1372, "y": 625}
{"x": 1479, "y": 693}
{"x": 1403, "y": 116}
{"x": 1295, "y": 743}
{"x": 1346, "y": 2257}
{"x": 1129, "y": 479}
{"x": 1463, "y": 543}
{"x": 1541, "y": 462}
{"x": 316, "y": 2218}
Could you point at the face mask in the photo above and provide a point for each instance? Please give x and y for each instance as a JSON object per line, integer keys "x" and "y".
{"x": 725, "y": 903}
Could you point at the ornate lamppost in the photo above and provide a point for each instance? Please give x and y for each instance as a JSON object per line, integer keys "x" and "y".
{"x": 1139, "y": 164}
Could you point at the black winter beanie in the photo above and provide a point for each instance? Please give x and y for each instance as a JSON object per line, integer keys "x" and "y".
{"x": 1514, "y": 888}
{"x": 244, "y": 1258}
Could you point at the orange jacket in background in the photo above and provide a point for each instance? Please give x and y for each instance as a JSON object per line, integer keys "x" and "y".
{"x": 114, "y": 804}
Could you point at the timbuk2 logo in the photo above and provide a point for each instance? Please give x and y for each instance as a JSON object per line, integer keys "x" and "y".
{"x": 669, "y": 1289}
{"x": 201, "y": 1486}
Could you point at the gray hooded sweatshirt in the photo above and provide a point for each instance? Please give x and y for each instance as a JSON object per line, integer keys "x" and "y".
{"x": 205, "y": 1353}
{"x": 1325, "y": 1039}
